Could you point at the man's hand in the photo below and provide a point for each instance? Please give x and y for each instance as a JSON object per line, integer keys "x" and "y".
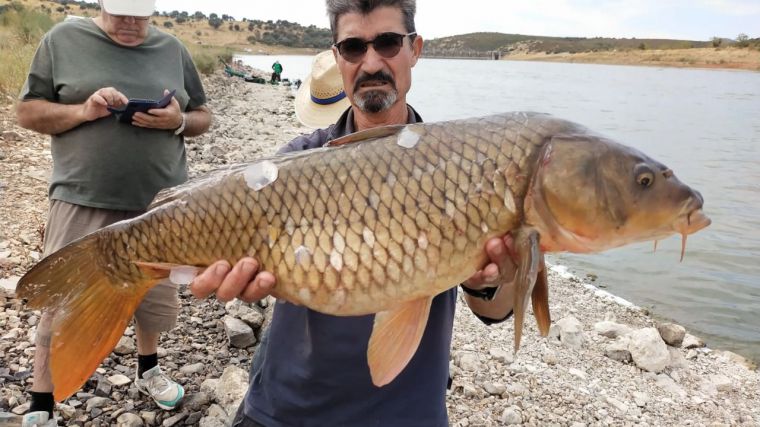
{"x": 97, "y": 104}
{"x": 500, "y": 268}
{"x": 169, "y": 117}
{"x": 243, "y": 281}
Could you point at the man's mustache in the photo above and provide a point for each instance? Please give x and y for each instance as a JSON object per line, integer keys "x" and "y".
{"x": 379, "y": 76}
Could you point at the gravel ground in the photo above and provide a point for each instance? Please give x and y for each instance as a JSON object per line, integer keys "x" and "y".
{"x": 605, "y": 362}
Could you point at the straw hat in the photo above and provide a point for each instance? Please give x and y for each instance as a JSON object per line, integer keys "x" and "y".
{"x": 321, "y": 100}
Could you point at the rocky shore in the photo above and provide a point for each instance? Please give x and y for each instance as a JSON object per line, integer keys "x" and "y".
{"x": 604, "y": 363}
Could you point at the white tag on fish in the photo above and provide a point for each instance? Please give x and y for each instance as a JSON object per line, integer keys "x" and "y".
{"x": 183, "y": 275}
{"x": 260, "y": 174}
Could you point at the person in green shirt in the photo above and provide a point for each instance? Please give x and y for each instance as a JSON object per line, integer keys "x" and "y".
{"x": 276, "y": 71}
{"x": 106, "y": 170}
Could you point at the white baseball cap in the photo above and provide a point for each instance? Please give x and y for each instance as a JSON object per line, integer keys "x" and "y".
{"x": 130, "y": 7}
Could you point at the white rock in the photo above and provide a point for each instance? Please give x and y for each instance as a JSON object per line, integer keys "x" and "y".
{"x": 640, "y": 398}
{"x": 577, "y": 373}
{"x": 648, "y": 350}
{"x": 501, "y": 355}
{"x": 570, "y": 332}
{"x": 125, "y": 346}
{"x": 690, "y": 341}
{"x": 119, "y": 380}
{"x": 494, "y": 389}
{"x": 618, "y": 350}
{"x": 128, "y": 419}
{"x": 8, "y": 285}
{"x": 611, "y": 329}
{"x": 512, "y": 416}
{"x": 97, "y": 402}
{"x": 620, "y": 406}
{"x": 721, "y": 382}
{"x": 469, "y": 361}
{"x": 666, "y": 383}
{"x": 677, "y": 359}
{"x": 194, "y": 368}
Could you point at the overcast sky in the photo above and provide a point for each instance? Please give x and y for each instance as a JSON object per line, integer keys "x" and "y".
{"x": 676, "y": 19}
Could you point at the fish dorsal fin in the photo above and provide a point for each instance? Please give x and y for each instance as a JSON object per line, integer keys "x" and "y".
{"x": 396, "y": 335}
{"x": 379, "y": 132}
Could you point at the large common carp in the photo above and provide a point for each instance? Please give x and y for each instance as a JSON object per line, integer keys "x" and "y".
{"x": 379, "y": 222}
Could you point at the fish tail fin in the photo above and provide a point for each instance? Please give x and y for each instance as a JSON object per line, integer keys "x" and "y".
{"x": 90, "y": 310}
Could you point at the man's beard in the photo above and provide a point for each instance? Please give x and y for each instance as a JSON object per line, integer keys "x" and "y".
{"x": 375, "y": 101}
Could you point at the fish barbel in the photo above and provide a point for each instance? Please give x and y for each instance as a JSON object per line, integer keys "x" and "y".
{"x": 380, "y": 221}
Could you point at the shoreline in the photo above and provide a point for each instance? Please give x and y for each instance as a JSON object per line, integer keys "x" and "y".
{"x": 570, "y": 378}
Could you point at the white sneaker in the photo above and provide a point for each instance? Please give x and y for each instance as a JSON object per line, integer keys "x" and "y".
{"x": 166, "y": 393}
{"x": 38, "y": 419}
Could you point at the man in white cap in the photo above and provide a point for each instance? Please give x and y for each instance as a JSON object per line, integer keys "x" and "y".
{"x": 311, "y": 368}
{"x": 104, "y": 169}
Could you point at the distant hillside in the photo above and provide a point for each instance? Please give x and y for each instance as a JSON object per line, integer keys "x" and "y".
{"x": 211, "y": 30}
{"x": 484, "y": 44}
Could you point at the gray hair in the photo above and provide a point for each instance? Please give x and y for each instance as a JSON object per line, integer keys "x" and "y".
{"x": 336, "y": 8}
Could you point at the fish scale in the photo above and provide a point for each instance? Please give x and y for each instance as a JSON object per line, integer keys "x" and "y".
{"x": 379, "y": 222}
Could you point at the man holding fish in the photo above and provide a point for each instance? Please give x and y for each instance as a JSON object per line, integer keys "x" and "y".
{"x": 313, "y": 371}
{"x": 105, "y": 170}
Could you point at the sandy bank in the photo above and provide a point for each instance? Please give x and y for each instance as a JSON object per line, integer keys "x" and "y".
{"x": 725, "y": 58}
{"x": 575, "y": 377}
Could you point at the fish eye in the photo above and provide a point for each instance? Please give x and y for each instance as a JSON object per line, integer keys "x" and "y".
{"x": 644, "y": 176}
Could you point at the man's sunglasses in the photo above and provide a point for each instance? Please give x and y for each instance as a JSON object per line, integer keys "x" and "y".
{"x": 387, "y": 45}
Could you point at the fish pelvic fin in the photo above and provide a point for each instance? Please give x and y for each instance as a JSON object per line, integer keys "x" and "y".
{"x": 528, "y": 257}
{"x": 89, "y": 311}
{"x": 540, "y": 300}
{"x": 396, "y": 335}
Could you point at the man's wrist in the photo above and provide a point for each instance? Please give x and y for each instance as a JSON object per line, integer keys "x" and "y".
{"x": 182, "y": 125}
{"x": 484, "y": 293}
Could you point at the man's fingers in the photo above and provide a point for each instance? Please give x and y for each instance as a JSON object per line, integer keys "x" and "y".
{"x": 498, "y": 252}
{"x": 209, "y": 281}
{"x": 261, "y": 286}
{"x": 99, "y": 100}
{"x": 237, "y": 279}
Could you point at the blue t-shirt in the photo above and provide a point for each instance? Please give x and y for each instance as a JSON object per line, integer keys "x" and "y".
{"x": 314, "y": 369}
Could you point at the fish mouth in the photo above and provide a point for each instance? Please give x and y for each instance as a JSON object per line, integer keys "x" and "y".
{"x": 692, "y": 222}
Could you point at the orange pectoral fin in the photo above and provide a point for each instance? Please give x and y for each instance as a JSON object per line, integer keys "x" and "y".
{"x": 540, "y": 300}
{"x": 396, "y": 335}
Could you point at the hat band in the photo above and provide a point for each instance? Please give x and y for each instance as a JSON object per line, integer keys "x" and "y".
{"x": 328, "y": 101}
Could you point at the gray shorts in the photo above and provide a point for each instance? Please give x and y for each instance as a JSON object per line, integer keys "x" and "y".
{"x": 67, "y": 222}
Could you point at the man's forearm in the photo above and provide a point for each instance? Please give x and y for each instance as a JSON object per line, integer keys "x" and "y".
{"x": 48, "y": 117}
{"x": 197, "y": 121}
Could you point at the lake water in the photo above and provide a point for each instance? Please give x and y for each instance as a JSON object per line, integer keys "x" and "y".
{"x": 703, "y": 124}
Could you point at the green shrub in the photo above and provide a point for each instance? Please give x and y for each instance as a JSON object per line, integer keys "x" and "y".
{"x": 207, "y": 58}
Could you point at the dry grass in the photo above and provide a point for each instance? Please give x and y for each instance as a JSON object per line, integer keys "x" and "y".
{"x": 735, "y": 58}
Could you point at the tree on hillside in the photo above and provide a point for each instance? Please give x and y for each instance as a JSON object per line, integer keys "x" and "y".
{"x": 716, "y": 41}
{"x": 742, "y": 40}
{"x": 215, "y": 22}
{"x": 199, "y": 16}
